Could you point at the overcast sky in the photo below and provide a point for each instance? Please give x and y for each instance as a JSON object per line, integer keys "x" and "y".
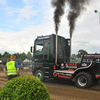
{"x": 21, "y": 21}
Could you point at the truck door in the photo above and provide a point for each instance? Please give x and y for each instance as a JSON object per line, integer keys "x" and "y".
{"x": 38, "y": 52}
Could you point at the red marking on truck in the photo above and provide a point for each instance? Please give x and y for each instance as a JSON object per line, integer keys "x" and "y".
{"x": 55, "y": 74}
{"x": 64, "y": 76}
{"x": 97, "y": 76}
{"x": 72, "y": 64}
{"x": 66, "y": 64}
{"x": 75, "y": 64}
{"x": 54, "y": 67}
{"x": 71, "y": 69}
{"x": 91, "y": 56}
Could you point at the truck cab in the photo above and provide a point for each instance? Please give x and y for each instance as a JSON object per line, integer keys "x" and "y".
{"x": 44, "y": 54}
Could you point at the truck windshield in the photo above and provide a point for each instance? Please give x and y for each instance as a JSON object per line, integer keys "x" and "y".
{"x": 39, "y": 47}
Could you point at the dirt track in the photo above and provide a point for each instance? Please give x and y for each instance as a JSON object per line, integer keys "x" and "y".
{"x": 62, "y": 90}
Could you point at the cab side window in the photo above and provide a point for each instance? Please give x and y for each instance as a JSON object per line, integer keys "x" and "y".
{"x": 39, "y": 47}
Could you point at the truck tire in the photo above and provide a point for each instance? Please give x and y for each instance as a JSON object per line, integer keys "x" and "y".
{"x": 83, "y": 80}
{"x": 39, "y": 75}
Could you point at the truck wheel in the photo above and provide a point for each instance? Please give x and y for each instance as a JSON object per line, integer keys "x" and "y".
{"x": 39, "y": 75}
{"x": 83, "y": 80}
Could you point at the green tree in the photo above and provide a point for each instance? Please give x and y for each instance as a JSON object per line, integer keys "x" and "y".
{"x": 29, "y": 56}
{"x": 23, "y": 56}
{"x": 81, "y": 52}
{"x": 20, "y": 55}
{"x": 96, "y": 53}
{"x": 6, "y": 55}
{"x": 17, "y": 55}
{"x": 0, "y": 55}
{"x": 73, "y": 57}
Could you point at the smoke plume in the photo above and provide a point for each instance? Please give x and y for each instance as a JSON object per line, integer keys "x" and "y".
{"x": 76, "y": 8}
{"x": 59, "y": 11}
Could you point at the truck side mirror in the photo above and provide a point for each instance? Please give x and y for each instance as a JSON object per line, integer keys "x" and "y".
{"x": 31, "y": 49}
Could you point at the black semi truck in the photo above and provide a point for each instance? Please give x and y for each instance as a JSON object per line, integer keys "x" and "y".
{"x": 84, "y": 74}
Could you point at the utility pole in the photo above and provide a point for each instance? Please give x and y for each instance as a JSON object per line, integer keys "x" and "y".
{"x": 96, "y": 11}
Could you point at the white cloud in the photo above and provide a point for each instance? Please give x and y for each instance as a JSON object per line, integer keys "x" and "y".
{"x": 3, "y": 1}
{"x": 26, "y": 13}
{"x": 28, "y": 1}
{"x": 46, "y": 2}
{"x": 10, "y": 13}
{"x": 95, "y": 4}
{"x": 21, "y": 41}
{"x": 7, "y": 8}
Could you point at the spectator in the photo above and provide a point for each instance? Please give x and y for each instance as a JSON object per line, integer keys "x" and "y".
{"x": 11, "y": 68}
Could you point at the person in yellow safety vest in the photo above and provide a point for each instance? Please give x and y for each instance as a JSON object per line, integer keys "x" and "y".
{"x": 11, "y": 68}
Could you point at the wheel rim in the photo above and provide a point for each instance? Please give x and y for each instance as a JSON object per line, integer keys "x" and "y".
{"x": 38, "y": 76}
{"x": 82, "y": 81}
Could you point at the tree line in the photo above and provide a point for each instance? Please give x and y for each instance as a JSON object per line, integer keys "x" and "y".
{"x": 28, "y": 56}
{"x": 21, "y": 56}
{"x": 77, "y": 57}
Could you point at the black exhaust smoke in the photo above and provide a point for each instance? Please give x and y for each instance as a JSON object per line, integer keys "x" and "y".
{"x": 76, "y": 8}
{"x": 59, "y": 11}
